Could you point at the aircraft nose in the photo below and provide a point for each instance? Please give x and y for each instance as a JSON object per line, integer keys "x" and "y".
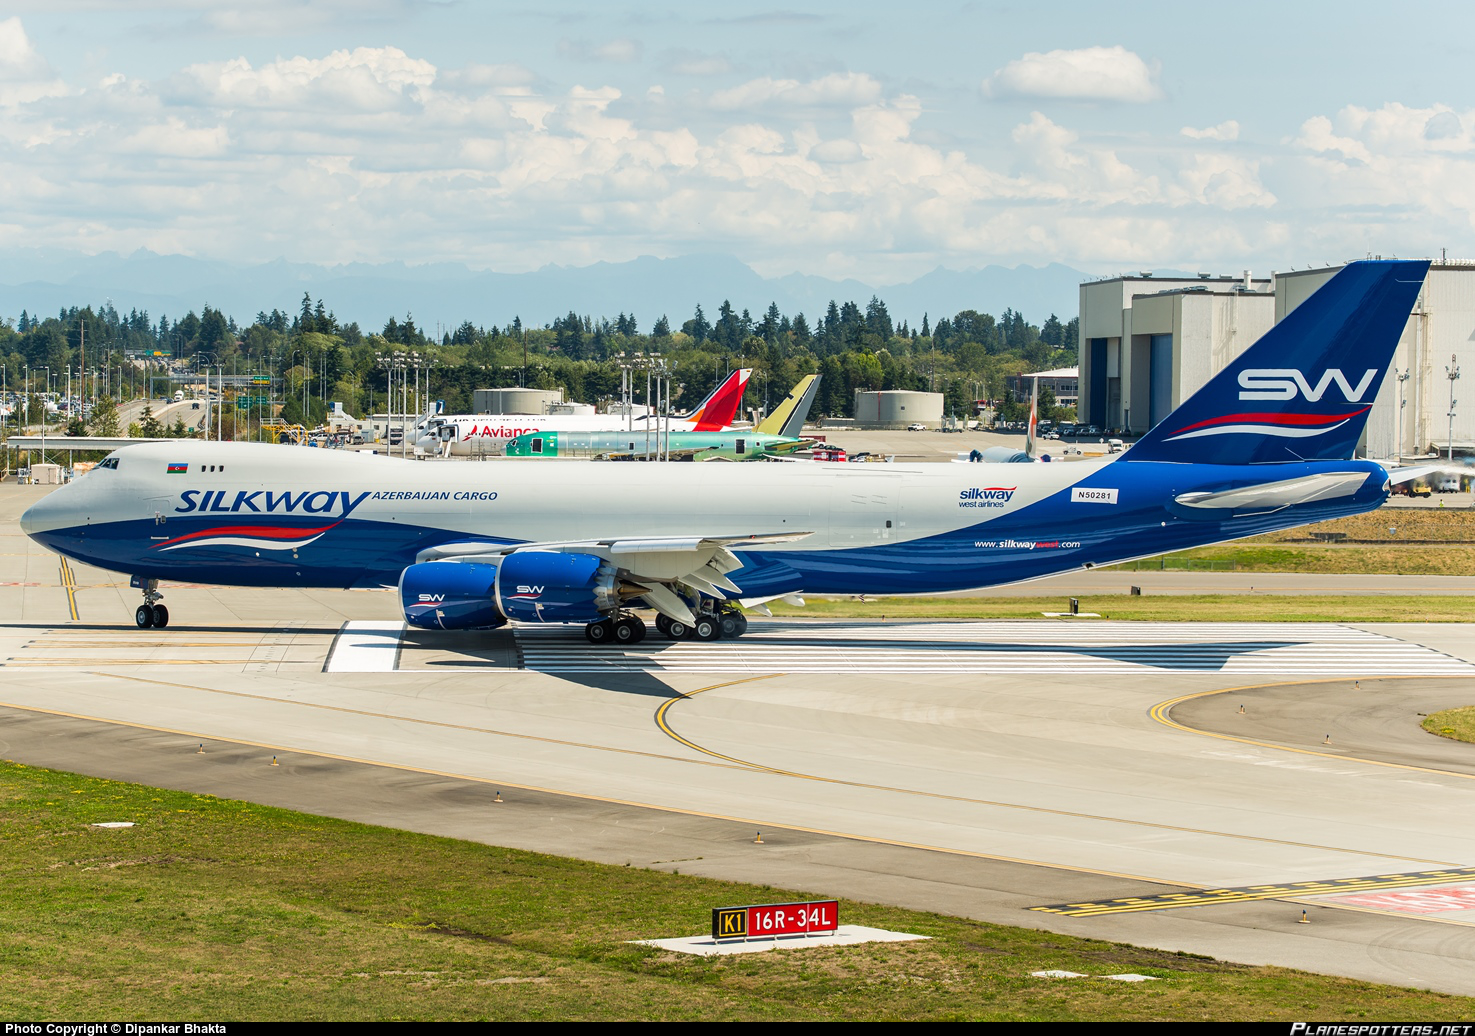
{"x": 42, "y": 516}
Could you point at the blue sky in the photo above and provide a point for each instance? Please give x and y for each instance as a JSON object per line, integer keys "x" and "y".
{"x": 858, "y": 139}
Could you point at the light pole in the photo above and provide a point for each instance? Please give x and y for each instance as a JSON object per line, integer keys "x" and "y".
{"x": 1402, "y": 376}
{"x": 43, "y": 411}
{"x": 1453, "y": 373}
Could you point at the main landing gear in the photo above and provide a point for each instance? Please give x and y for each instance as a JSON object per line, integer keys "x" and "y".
{"x": 709, "y": 625}
{"x": 623, "y": 629}
{"x": 150, "y": 613}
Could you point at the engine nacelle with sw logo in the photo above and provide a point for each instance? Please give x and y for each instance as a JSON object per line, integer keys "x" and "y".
{"x": 547, "y": 586}
{"x": 450, "y": 595}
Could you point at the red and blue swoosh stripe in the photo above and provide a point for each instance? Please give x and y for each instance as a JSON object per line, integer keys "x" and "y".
{"x": 258, "y": 537}
{"x": 1285, "y": 426}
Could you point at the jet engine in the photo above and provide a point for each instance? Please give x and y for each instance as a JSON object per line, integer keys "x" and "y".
{"x": 449, "y": 595}
{"x": 529, "y": 586}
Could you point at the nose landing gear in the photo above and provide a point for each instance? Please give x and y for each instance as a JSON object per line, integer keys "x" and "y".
{"x": 150, "y": 613}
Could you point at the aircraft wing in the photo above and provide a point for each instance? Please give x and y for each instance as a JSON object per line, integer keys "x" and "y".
{"x": 689, "y": 451}
{"x": 791, "y": 447}
{"x": 655, "y": 567}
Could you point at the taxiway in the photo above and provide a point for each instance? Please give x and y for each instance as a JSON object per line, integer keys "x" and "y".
{"x": 1050, "y": 774}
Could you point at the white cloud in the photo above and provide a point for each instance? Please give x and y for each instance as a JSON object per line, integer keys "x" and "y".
{"x": 364, "y": 79}
{"x": 1224, "y": 131}
{"x": 1088, "y": 74}
{"x": 174, "y": 139}
{"x": 24, "y": 74}
{"x": 839, "y": 90}
{"x": 374, "y": 154}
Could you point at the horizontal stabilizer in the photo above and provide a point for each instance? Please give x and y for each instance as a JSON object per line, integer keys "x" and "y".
{"x": 1272, "y": 496}
{"x": 1398, "y": 476}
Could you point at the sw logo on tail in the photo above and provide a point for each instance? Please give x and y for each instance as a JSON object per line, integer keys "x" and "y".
{"x": 1283, "y": 383}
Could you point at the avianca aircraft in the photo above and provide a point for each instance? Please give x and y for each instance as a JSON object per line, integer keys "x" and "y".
{"x": 472, "y": 433}
{"x": 1267, "y": 444}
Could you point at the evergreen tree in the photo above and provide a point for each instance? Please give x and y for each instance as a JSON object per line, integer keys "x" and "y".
{"x": 662, "y": 328}
{"x": 697, "y": 327}
{"x": 802, "y": 336}
{"x": 105, "y": 416}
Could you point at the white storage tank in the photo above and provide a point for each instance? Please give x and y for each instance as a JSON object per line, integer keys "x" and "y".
{"x": 515, "y": 400}
{"x": 897, "y": 408}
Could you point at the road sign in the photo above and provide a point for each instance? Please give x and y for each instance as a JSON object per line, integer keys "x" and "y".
{"x": 261, "y": 379}
{"x": 773, "y": 919}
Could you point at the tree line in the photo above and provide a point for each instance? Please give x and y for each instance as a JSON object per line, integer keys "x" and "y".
{"x": 315, "y": 359}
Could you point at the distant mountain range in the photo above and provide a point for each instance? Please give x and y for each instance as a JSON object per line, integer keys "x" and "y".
{"x": 443, "y": 295}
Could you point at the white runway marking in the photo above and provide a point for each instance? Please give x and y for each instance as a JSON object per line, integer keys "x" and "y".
{"x": 365, "y": 647}
{"x": 1251, "y": 649}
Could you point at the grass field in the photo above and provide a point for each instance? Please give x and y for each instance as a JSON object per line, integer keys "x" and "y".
{"x": 1410, "y": 541}
{"x": 1456, "y": 724}
{"x": 1379, "y": 559}
{"x": 1175, "y": 608}
{"x": 213, "y": 910}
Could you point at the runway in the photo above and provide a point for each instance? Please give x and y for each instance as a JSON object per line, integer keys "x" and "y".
{"x": 1096, "y": 763}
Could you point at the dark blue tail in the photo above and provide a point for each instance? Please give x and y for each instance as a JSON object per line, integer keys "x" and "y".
{"x": 1303, "y": 391}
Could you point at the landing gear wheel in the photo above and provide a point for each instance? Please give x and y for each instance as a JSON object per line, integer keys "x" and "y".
{"x": 663, "y": 625}
{"x": 734, "y": 624}
{"x": 707, "y": 627}
{"x": 677, "y": 630}
{"x": 144, "y": 616}
{"x": 161, "y": 616}
{"x": 629, "y": 630}
{"x": 599, "y": 632}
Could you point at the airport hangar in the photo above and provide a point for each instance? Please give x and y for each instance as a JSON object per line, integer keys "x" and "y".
{"x": 1147, "y": 343}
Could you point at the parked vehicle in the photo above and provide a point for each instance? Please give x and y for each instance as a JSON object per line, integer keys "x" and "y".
{"x": 916, "y": 427}
{"x": 1115, "y": 446}
{"x": 1446, "y": 484}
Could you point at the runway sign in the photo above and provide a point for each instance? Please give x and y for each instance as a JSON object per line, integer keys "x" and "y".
{"x": 774, "y": 919}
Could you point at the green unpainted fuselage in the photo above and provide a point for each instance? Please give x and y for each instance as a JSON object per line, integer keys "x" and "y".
{"x": 740, "y": 444}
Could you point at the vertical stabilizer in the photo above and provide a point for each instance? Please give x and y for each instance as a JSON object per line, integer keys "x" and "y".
{"x": 1303, "y": 391}
{"x": 789, "y": 416}
{"x": 1034, "y": 419}
{"x": 720, "y": 408}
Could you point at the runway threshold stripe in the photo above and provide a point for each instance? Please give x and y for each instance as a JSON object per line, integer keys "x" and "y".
{"x": 1256, "y": 893}
{"x": 364, "y": 646}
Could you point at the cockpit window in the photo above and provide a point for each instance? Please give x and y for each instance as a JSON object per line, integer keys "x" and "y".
{"x": 110, "y": 462}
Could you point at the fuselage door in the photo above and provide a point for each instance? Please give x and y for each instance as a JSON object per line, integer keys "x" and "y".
{"x": 863, "y": 509}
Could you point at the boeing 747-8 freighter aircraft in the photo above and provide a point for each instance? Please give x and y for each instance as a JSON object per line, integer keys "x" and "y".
{"x": 1266, "y": 444}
